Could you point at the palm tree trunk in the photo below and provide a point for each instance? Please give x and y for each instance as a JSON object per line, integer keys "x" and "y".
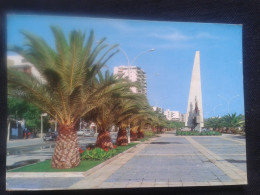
{"x": 66, "y": 153}
{"x": 140, "y": 134}
{"x": 133, "y": 135}
{"x": 104, "y": 139}
{"x": 122, "y": 139}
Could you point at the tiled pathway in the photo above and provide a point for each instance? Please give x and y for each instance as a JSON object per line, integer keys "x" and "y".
{"x": 176, "y": 161}
{"x": 164, "y": 161}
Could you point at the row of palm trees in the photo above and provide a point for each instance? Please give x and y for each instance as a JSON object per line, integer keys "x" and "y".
{"x": 74, "y": 85}
{"x": 228, "y": 123}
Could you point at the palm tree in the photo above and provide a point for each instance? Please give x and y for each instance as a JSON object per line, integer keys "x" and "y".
{"x": 67, "y": 90}
{"x": 131, "y": 105}
{"x": 111, "y": 111}
{"x": 231, "y": 121}
{"x": 144, "y": 117}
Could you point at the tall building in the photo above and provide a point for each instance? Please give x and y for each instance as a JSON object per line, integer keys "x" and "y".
{"x": 134, "y": 74}
{"x": 194, "y": 115}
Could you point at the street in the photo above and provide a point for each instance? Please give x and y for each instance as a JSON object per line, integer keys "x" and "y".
{"x": 164, "y": 161}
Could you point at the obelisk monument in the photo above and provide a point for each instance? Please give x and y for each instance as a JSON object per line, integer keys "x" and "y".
{"x": 194, "y": 115}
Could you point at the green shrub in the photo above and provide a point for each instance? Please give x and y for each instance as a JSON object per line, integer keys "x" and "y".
{"x": 197, "y": 133}
{"x": 148, "y": 133}
{"x": 97, "y": 154}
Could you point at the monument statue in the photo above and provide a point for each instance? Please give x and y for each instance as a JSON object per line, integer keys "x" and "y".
{"x": 194, "y": 114}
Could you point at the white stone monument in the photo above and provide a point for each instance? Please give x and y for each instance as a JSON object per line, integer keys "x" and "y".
{"x": 194, "y": 115}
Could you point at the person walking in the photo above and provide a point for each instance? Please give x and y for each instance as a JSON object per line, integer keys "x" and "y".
{"x": 29, "y": 134}
{"x": 24, "y": 134}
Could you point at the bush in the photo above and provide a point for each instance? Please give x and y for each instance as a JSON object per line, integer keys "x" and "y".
{"x": 148, "y": 133}
{"x": 97, "y": 153}
{"x": 196, "y": 133}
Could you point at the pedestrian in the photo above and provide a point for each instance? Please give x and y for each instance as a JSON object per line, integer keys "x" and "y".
{"x": 24, "y": 135}
{"x": 29, "y": 134}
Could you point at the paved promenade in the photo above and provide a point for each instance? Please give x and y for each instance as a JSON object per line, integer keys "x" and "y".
{"x": 165, "y": 161}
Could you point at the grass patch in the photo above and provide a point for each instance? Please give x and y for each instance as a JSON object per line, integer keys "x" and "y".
{"x": 197, "y": 133}
{"x": 45, "y": 166}
{"x": 143, "y": 139}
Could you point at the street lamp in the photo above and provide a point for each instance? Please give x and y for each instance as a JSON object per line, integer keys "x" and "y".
{"x": 128, "y": 64}
{"x": 146, "y": 51}
{"x": 141, "y": 53}
{"x": 44, "y": 114}
{"x": 228, "y": 101}
{"x": 214, "y": 109}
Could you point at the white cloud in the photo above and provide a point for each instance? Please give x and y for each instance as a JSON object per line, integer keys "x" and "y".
{"x": 123, "y": 27}
{"x": 175, "y": 36}
{"x": 205, "y": 35}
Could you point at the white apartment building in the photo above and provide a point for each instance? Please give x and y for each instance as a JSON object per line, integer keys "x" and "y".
{"x": 174, "y": 115}
{"x": 20, "y": 63}
{"x": 133, "y": 73}
{"x": 158, "y": 109}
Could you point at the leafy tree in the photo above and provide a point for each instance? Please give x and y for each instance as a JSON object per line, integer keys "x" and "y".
{"x": 19, "y": 109}
{"x": 214, "y": 122}
{"x": 176, "y": 124}
{"x": 66, "y": 89}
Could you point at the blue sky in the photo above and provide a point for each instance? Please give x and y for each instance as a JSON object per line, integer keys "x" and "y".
{"x": 169, "y": 67}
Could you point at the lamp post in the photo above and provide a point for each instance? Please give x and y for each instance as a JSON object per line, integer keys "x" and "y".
{"x": 44, "y": 114}
{"x": 142, "y": 53}
{"x": 228, "y": 101}
{"x": 214, "y": 109}
{"x": 134, "y": 59}
{"x": 129, "y": 64}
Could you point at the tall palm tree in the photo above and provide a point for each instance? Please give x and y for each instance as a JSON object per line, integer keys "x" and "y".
{"x": 67, "y": 90}
{"x": 131, "y": 105}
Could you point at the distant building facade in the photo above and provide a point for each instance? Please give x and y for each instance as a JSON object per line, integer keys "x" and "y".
{"x": 21, "y": 64}
{"x": 174, "y": 115}
{"x": 158, "y": 109}
{"x": 134, "y": 74}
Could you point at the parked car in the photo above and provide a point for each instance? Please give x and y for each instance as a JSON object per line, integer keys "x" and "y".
{"x": 80, "y": 132}
{"x": 51, "y": 136}
{"x": 205, "y": 129}
{"x": 86, "y": 132}
{"x": 89, "y": 133}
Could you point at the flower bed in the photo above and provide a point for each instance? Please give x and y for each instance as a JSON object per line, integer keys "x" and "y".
{"x": 97, "y": 153}
{"x": 197, "y": 133}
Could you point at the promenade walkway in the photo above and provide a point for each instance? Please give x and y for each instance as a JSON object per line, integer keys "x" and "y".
{"x": 165, "y": 161}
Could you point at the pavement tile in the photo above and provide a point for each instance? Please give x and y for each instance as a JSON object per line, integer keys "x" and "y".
{"x": 201, "y": 183}
{"x": 133, "y": 184}
{"x": 147, "y": 184}
{"x": 40, "y": 183}
{"x": 174, "y": 184}
{"x": 188, "y": 183}
{"x": 106, "y": 185}
{"x": 161, "y": 184}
